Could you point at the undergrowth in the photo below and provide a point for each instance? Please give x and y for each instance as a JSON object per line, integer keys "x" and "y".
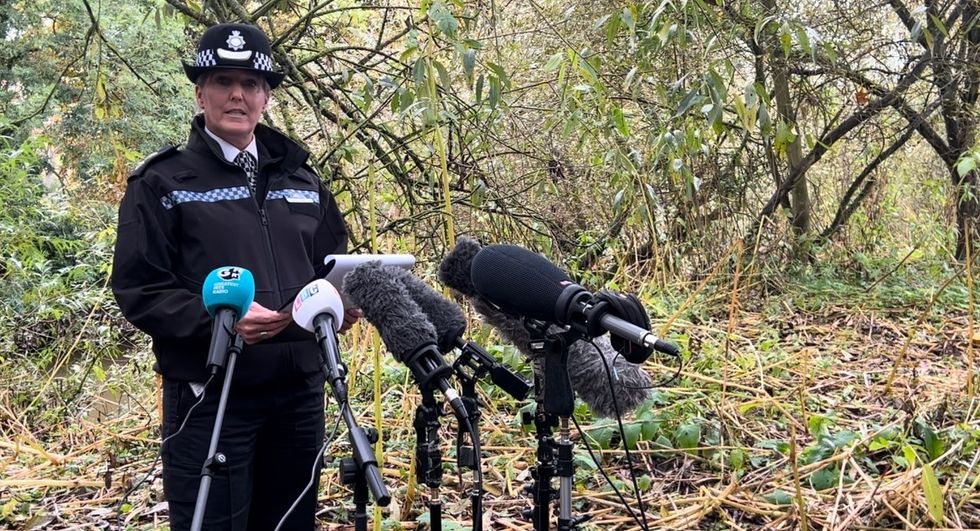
{"x": 832, "y": 395}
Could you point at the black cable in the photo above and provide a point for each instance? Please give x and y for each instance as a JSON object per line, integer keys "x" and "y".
{"x": 316, "y": 461}
{"x": 602, "y": 471}
{"x": 478, "y": 455}
{"x": 662, "y": 383}
{"x": 598, "y": 464}
{"x": 622, "y": 434}
{"x": 153, "y": 467}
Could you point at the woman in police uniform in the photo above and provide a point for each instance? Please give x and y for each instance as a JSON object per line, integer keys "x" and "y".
{"x": 240, "y": 193}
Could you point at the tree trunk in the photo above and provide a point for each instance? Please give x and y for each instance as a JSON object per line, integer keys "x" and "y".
{"x": 800, "y": 197}
{"x": 967, "y": 215}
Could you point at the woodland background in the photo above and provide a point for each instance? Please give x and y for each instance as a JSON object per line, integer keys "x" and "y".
{"x": 790, "y": 187}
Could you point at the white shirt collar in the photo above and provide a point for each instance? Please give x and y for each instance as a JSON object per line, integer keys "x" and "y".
{"x": 230, "y": 151}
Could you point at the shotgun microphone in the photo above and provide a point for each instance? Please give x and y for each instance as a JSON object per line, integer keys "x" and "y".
{"x": 450, "y": 324}
{"x": 524, "y": 283}
{"x": 586, "y": 370}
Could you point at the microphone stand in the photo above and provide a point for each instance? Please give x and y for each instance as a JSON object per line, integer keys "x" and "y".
{"x": 361, "y": 469}
{"x": 555, "y": 405}
{"x": 472, "y": 365}
{"x": 216, "y": 461}
{"x": 428, "y": 455}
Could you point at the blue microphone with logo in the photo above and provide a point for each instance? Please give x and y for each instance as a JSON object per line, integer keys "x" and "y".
{"x": 228, "y": 291}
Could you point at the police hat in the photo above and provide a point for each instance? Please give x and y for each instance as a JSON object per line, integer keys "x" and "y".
{"x": 238, "y": 46}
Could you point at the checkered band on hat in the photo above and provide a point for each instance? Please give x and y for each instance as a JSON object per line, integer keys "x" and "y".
{"x": 206, "y": 58}
{"x": 177, "y": 197}
{"x": 262, "y": 62}
{"x": 306, "y": 196}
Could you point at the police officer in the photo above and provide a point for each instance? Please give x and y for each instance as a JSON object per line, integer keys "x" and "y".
{"x": 240, "y": 193}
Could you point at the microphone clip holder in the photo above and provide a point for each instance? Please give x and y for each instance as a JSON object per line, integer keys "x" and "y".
{"x": 427, "y": 366}
{"x": 474, "y": 364}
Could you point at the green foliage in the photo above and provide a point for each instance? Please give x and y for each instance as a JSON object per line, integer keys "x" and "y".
{"x": 55, "y": 307}
{"x": 933, "y": 493}
{"x": 83, "y": 87}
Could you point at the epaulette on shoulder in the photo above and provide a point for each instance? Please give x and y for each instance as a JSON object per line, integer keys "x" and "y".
{"x": 162, "y": 154}
{"x": 309, "y": 167}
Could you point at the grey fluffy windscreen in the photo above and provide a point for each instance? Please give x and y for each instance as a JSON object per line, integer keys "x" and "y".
{"x": 454, "y": 271}
{"x": 386, "y": 304}
{"x": 585, "y": 367}
{"x": 446, "y": 316}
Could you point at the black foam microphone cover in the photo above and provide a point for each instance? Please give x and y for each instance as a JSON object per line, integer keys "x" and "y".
{"x": 519, "y": 281}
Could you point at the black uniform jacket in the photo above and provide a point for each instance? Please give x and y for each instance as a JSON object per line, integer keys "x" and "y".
{"x": 187, "y": 212}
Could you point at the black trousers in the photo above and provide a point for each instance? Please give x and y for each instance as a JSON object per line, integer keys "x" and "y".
{"x": 270, "y": 435}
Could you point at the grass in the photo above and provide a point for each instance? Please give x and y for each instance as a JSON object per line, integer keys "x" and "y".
{"x": 782, "y": 417}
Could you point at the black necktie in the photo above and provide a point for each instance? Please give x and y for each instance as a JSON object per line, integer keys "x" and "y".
{"x": 247, "y": 162}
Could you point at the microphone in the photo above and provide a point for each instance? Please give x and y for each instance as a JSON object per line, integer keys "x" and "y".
{"x": 318, "y": 308}
{"x": 405, "y": 330}
{"x": 586, "y": 370}
{"x": 525, "y": 283}
{"x": 450, "y": 324}
{"x": 227, "y": 293}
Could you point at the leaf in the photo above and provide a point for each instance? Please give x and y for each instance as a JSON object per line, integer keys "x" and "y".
{"x": 443, "y": 75}
{"x": 631, "y": 434}
{"x": 934, "y": 493}
{"x": 687, "y": 102}
{"x": 612, "y": 28}
{"x": 601, "y": 436}
{"x": 737, "y": 459}
{"x": 620, "y": 121}
{"x": 909, "y": 456}
{"x": 939, "y": 24}
{"x": 500, "y": 73}
{"x": 825, "y": 478}
{"x": 627, "y": 18}
{"x": 786, "y": 39}
{"x": 930, "y": 440}
{"x": 804, "y": 40}
{"x": 688, "y": 435}
{"x": 765, "y": 122}
{"x": 779, "y": 497}
{"x": 554, "y": 62}
{"x": 618, "y": 201}
{"x": 966, "y": 164}
{"x": 478, "y": 90}
{"x": 443, "y": 19}
{"x": 494, "y": 97}
{"x": 469, "y": 63}
{"x": 651, "y": 193}
{"x": 628, "y": 80}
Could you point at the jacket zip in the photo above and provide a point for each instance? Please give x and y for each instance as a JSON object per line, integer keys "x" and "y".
{"x": 272, "y": 254}
{"x": 267, "y": 231}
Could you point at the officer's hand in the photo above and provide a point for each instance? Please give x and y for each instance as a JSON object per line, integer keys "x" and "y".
{"x": 351, "y": 315}
{"x": 261, "y": 323}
